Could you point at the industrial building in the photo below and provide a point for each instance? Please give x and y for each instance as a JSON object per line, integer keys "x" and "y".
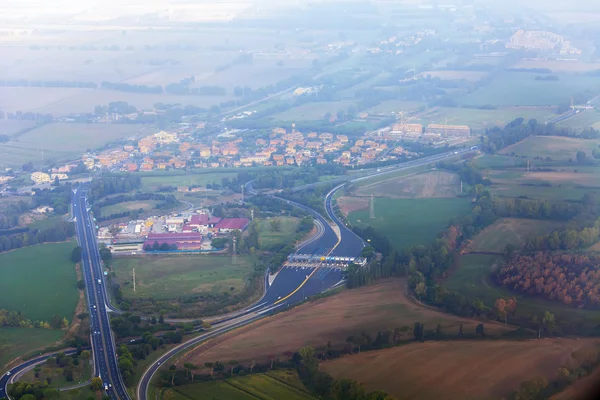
{"x": 448, "y": 130}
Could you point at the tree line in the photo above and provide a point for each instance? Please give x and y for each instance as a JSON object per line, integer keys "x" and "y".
{"x": 61, "y": 231}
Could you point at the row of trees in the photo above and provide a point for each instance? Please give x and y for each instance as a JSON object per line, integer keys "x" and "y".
{"x": 569, "y": 278}
{"x": 113, "y": 184}
{"x": 59, "y": 232}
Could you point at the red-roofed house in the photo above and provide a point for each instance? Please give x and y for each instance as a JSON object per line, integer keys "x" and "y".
{"x": 232, "y": 224}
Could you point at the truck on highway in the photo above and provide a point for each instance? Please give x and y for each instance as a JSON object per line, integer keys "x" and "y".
{"x": 99, "y": 282}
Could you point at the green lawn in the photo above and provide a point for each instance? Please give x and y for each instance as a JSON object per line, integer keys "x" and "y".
{"x": 412, "y": 221}
{"x": 251, "y": 387}
{"x": 14, "y": 342}
{"x": 521, "y": 89}
{"x": 39, "y": 281}
{"x": 286, "y": 233}
{"x": 81, "y": 373}
{"x": 170, "y": 277}
{"x": 146, "y": 205}
{"x": 151, "y": 183}
{"x": 513, "y": 231}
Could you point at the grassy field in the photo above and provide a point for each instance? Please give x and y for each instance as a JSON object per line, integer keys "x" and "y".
{"x": 481, "y": 119}
{"x": 555, "y": 147}
{"x": 64, "y": 141}
{"x": 521, "y": 89}
{"x": 129, "y": 206}
{"x": 427, "y": 184}
{"x": 454, "y": 75}
{"x": 15, "y": 342}
{"x": 473, "y": 280}
{"x": 486, "y": 161}
{"x": 81, "y": 373}
{"x": 313, "y": 111}
{"x": 151, "y": 183}
{"x": 252, "y": 387}
{"x": 170, "y": 277}
{"x": 368, "y": 309}
{"x": 267, "y": 236}
{"x": 465, "y": 370}
{"x": 587, "y": 119}
{"x": 39, "y": 281}
{"x": 411, "y": 221}
{"x": 513, "y": 231}
{"x": 395, "y": 106}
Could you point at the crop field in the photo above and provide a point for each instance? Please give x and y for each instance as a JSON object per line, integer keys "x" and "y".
{"x": 473, "y": 280}
{"x": 146, "y": 205}
{"x": 313, "y": 111}
{"x": 64, "y": 141}
{"x": 513, "y": 231}
{"x": 369, "y": 309}
{"x": 153, "y": 182}
{"x": 39, "y": 281}
{"x": 481, "y": 119}
{"x": 455, "y": 75}
{"x": 395, "y": 106}
{"x": 521, "y": 89}
{"x": 409, "y": 222}
{"x": 14, "y": 342}
{"x": 252, "y": 387}
{"x": 555, "y": 147}
{"x": 559, "y": 66}
{"x": 465, "y": 370}
{"x": 285, "y": 234}
{"x": 170, "y": 277}
{"x": 425, "y": 185}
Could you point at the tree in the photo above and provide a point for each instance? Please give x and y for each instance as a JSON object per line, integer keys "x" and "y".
{"x": 509, "y": 250}
{"x": 161, "y": 319}
{"x": 460, "y": 331}
{"x": 210, "y": 366}
{"x": 76, "y": 254}
{"x": 96, "y": 383}
{"x": 105, "y": 254}
{"x": 500, "y": 306}
{"x": 153, "y": 320}
{"x": 580, "y": 156}
{"x": 232, "y": 364}
{"x": 114, "y": 230}
{"x": 438, "y": 331}
{"x": 275, "y": 225}
{"x": 479, "y": 330}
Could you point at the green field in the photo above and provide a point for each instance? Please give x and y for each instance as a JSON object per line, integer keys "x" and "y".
{"x": 64, "y": 141}
{"x": 396, "y": 106}
{"x": 513, "y": 231}
{"x": 146, "y": 205}
{"x": 81, "y": 373}
{"x": 14, "y": 342}
{"x": 170, "y": 277}
{"x": 45, "y": 223}
{"x": 555, "y": 147}
{"x": 521, "y": 89}
{"x": 409, "y": 222}
{"x": 481, "y": 119}
{"x": 313, "y": 111}
{"x": 590, "y": 118}
{"x": 268, "y": 237}
{"x": 151, "y": 183}
{"x": 473, "y": 280}
{"x": 39, "y": 281}
{"x": 251, "y": 387}
{"x": 486, "y": 161}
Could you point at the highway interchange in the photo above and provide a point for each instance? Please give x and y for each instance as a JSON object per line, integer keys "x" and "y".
{"x": 290, "y": 286}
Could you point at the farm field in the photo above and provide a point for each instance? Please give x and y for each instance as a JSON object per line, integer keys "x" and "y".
{"x": 170, "y": 277}
{"x": 486, "y": 161}
{"x": 409, "y": 222}
{"x": 39, "y": 281}
{"x": 14, "y": 342}
{"x": 427, "y": 184}
{"x": 521, "y": 89}
{"x": 251, "y": 387}
{"x": 587, "y": 119}
{"x": 513, "y": 231}
{"x": 153, "y": 182}
{"x": 465, "y": 370}
{"x": 555, "y": 147}
{"x": 368, "y": 309}
{"x": 473, "y": 280}
{"x": 64, "y": 141}
{"x": 146, "y": 205}
{"x": 455, "y": 75}
{"x": 312, "y": 111}
{"x": 395, "y": 106}
{"x": 481, "y": 119}
{"x": 286, "y": 233}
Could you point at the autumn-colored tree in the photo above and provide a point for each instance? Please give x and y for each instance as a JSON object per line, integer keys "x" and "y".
{"x": 500, "y": 306}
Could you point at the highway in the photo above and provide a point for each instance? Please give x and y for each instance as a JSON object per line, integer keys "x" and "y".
{"x": 102, "y": 340}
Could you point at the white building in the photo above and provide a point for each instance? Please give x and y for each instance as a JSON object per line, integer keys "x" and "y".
{"x": 40, "y": 177}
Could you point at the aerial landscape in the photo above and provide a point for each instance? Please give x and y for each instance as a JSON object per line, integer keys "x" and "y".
{"x": 307, "y": 199}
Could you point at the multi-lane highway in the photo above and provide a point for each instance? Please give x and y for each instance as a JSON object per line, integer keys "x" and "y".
{"x": 102, "y": 340}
